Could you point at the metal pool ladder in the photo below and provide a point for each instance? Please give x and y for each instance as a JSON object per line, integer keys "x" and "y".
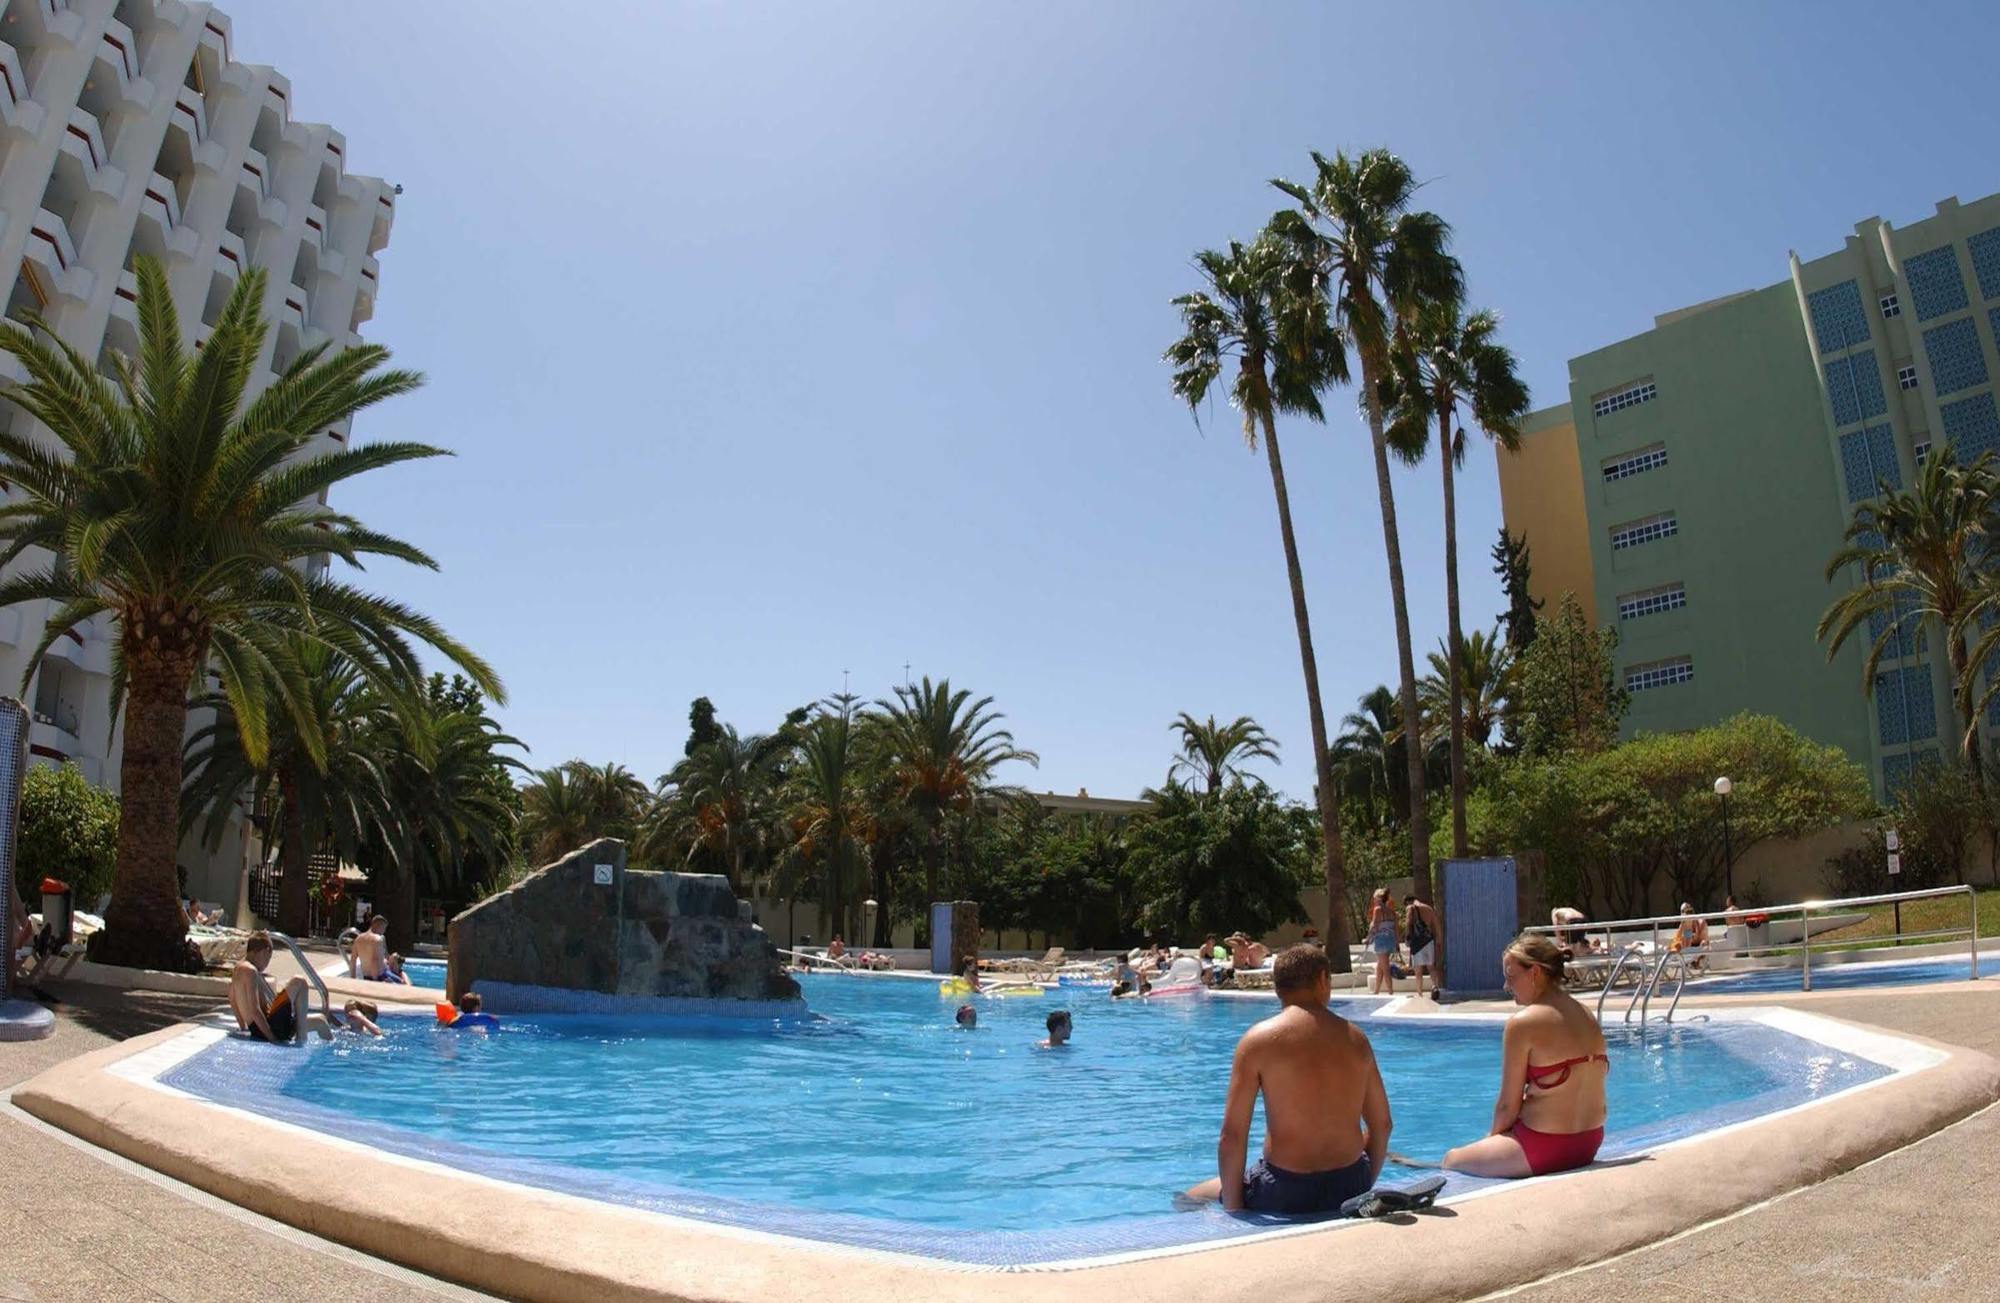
{"x": 1642, "y": 993}
{"x": 312, "y": 973}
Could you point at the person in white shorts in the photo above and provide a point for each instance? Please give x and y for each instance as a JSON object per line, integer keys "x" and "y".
{"x": 1420, "y": 930}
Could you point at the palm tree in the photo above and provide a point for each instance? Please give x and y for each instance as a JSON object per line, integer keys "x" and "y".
{"x": 724, "y": 792}
{"x": 1925, "y": 557}
{"x": 1485, "y": 673}
{"x": 1376, "y": 262}
{"x": 1285, "y": 350}
{"x": 1451, "y": 361}
{"x": 189, "y": 513}
{"x": 943, "y": 748}
{"x": 1367, "y": 754}
{"x": 323, "y": 787}
{"x": 1216, "y": 752}
{"x": 827, "y": 814}
{"x": 448, "y": 778}
{"x": 616, "y": 797}
{"x": 556, "y": 814}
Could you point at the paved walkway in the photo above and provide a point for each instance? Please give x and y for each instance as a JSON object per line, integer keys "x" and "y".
{"x": 1916, "y": 1223}
{"x": 77, "y": 1227}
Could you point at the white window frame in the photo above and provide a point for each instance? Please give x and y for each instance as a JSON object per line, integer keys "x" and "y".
{"x": 1906, "y": 376}
{"x": 1891, "y": 306}
{"x": 1650, "y": 529}
{"x": 1629, "y": 395}
{"x": 1636, "y": 462}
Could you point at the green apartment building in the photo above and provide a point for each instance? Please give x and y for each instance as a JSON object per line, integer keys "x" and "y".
{"x": 1702, "y": 474}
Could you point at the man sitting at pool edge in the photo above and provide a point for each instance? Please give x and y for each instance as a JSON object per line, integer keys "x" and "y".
{"x": 279, "y": 1018}
{"x": 1326, "y": 1114}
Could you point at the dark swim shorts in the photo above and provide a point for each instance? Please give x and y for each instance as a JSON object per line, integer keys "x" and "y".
{"x": 1271, "y": 1189}
{"x": 283, "y": 1020}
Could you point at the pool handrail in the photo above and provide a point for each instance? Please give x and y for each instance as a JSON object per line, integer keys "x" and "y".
{"x": 1804, "y": 945}
{"x": 306, "y": 966}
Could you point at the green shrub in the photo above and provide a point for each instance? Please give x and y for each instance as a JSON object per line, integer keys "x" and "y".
{"x": 69, "y": 830}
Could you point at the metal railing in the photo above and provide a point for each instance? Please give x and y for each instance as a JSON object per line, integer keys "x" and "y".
{"x": 311, "y": 973}
{"x": 1662, "y": 929}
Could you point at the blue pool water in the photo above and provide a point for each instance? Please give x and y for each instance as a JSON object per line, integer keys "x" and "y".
{"x": 880, "y": 1124}
{"x": 1838, "y": 977}
{"x": 425, "y": 972}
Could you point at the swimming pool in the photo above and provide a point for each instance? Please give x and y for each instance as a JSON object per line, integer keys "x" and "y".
{"x": 880, "y": 1125}
{"x": 1839, "y": 977}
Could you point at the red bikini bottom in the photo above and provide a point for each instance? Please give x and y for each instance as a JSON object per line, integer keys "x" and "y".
{"x": 1551, "y": 1151}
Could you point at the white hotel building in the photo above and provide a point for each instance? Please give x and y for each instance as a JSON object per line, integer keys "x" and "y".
{"x": 130, "y": 128}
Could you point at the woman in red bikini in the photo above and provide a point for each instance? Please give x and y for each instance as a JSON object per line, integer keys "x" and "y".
{"x": 1550, "y": 1115}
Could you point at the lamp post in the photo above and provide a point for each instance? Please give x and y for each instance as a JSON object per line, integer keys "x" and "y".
{"x": 1723, "y": 787}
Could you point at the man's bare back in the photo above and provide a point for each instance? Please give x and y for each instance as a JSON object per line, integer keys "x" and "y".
{"x": 1321, "y": 1087}
{"x": 1316, "y": 1070}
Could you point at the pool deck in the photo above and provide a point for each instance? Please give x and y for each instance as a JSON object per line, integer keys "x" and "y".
{"x": 117, "y": 1234}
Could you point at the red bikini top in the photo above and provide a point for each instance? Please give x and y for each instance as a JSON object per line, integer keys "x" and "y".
{"x": 1550, "y": 1075}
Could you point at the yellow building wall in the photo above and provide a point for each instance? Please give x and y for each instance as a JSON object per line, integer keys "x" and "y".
{"x": 1541, "y": 499}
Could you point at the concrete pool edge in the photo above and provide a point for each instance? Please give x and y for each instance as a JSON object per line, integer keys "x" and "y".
{"x": 526, "y": 1242}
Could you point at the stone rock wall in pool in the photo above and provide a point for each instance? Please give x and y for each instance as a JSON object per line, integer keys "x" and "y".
{"x": 644, "y": 934}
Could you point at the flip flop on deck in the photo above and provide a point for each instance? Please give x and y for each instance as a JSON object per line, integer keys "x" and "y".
{"x": 1387, "y": 1201}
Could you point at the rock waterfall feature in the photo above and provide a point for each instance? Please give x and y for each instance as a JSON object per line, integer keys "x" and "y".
{"x": 585, "y": 934}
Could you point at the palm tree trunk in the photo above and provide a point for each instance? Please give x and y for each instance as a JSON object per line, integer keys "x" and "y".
{"x": 1455, "y": 641}
{"x": 1961, "y": 667}
{"x": 143, "y": 928}
{"x": 1327, "y": 795}
{"x": 295, "y": 888}
{"x": 879, "y": 877}
{"x": 1413, "y": 742}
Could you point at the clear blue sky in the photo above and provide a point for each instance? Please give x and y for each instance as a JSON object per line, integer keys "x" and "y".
{"x": 778, "y": 340}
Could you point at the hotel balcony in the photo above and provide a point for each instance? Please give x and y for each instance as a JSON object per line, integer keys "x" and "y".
{"x": 83, "y": 143}
{"x": 10, "y": 626}
{"x": 125, "y": 300}
{"x": 51, "y": 741}
{"x": 230, "y": 256}
{"x": 257, "y": 170}
{"x": 315, "y": 233}
{"x": 82, "y": 651}
{"x": 53, "y": 257}
{"x": 118, "y": 54}
{"x": 22, "y": 114}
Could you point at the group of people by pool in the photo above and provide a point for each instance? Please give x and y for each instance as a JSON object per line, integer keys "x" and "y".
{"x": 1326, "y": 1113}
{"x": 279, "y": 1016}
{"x": 1416, "y": 931}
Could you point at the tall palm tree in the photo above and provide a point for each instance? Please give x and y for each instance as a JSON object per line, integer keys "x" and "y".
{"x": 1216, "y": 752}
{"x": 1453, "y": 368}
{"x": 1257, "y": 313}
{"x": 1368, "y": 754}
{"x": 1485, "y": 675}
{"x": 556, "y": 814}
{"x": 324, "y": 787}
{"x": 725, "y": 792}
{"x": 825, "y": 807}
{"x": 943, "y": 747}
{"x": 189, "y": 513}
{"x": 1924, "y": 559}
{"x": 1377, "y": 262}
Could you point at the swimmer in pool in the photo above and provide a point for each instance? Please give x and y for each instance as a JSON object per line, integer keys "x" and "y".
{"x": 1058, "y": 1025}
{"x": 1326, "y": 1114}
{"x": 967, "y": 1018}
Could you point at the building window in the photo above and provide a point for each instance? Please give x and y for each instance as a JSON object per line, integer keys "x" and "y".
{"x": 1890, "y": 307}
{"x": 1906, "y": 376}
{"x": 1837, "y": 319}
{"x": 1868, "y": 462}
{"x": 1971, "y": 426}
{"x": 1936, "y": 286}
{"x": 1854, "y": 386}
{"x": 1985, "y": 250}
{"x": 1956, "y": 360}
{"x": 1904, "y": 710}
{"x": 1659, "y": 674}
{"x": 1923, "y": 450}
{"x": 1898, "y": 770}
{"x": 1907, "y": 639}
{"x": 1630, "y": 396}
{"x": 1645, "y": 531}
{"x": 1635, "y": 463}
{"x": 1652, "y": 602}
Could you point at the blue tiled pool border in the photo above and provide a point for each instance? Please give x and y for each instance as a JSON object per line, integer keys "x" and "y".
{"x": 237, "y": 1073}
